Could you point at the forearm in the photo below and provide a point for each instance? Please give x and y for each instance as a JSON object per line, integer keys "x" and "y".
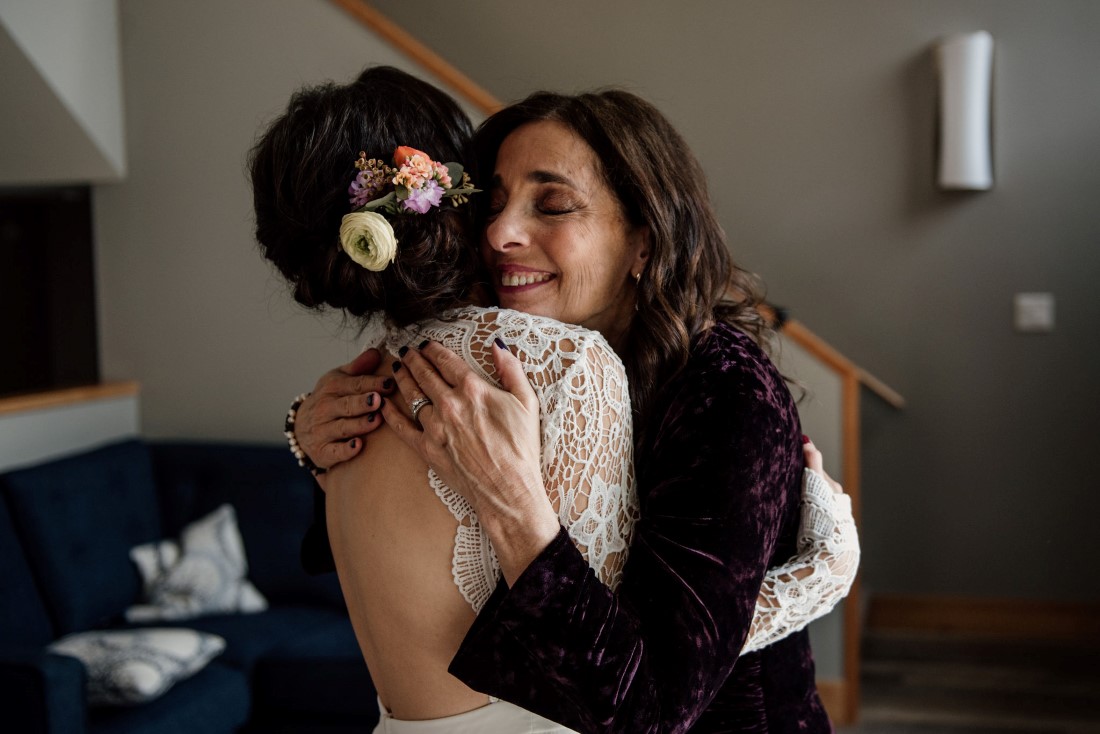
{"x": 809, "y": 585}
{"x": 519, "y": 532}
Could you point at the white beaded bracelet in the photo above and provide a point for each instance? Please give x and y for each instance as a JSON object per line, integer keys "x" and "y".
{"x": 288, "y": 430}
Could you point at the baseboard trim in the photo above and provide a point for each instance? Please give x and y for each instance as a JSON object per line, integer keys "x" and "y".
{"x": 834, "y": 694}
{"x": 988, "y": 618}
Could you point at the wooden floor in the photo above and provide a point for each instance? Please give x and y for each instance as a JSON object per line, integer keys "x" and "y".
{"x": 921, "y": 684}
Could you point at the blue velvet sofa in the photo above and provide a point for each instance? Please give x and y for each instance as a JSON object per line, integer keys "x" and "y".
{"x": 66, "y": 527}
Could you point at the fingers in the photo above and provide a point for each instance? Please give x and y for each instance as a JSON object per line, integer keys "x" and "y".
{"x": 364, "y": 364}
{"x": 332, "y": 454}
{"x": 417, "y": 376}
{"x": 812, "y": 456}
{"x": 814, "y": 462}
{"x": 403, "y": 426}
{"x": 408, "y": 388}
{"x": 511, "y": 375}
{"x": 452, "y": 368}
{"x": 337, "y": 384}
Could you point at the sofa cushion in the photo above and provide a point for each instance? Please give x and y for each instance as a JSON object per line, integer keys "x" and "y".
{"x": 78, "y": 518}
{"x": 253, "y": 636}
{"x": 273, "y": 498}
{"x": 137, "y": 666}
{"x": 215, "y": 701}
{"x": 338, "y": 684}
{"x": 23, "y": 617}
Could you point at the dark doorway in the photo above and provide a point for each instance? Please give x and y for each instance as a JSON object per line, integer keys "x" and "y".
{"x": 47, "y": 290}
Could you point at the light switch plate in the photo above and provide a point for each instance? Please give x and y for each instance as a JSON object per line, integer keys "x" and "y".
{"x": 1033, "y": 312}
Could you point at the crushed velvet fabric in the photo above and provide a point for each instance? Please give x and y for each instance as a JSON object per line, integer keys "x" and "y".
{"x": 719, "y": 481}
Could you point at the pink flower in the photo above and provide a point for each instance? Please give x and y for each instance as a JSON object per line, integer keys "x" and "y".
{"x": 424, "y": 198}
{"x": 442, "y": 174}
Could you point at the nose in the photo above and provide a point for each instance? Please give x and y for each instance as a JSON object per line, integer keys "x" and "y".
{"x": 505, "y": 231}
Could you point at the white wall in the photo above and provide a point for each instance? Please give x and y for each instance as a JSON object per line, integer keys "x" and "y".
{"x": 34, "y": 436}
{"x": 62, "y": 72}
{"x": 186, "y": 304}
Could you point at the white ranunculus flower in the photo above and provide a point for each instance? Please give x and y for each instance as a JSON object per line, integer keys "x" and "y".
{"x": 368, "y": 239}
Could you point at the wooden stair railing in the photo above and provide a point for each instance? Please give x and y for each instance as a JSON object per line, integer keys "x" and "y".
{"x": 403, "y": 41}
{"x": 852, "y": 376}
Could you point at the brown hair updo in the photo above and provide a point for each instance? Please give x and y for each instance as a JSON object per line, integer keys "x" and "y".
{"x": 690, "y": 280}
{"x": 302, "y": 166}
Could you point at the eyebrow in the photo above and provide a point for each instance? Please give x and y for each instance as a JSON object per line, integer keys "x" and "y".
{"x": 539, "y": 177}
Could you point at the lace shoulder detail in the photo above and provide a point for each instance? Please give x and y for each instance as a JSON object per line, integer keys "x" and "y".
{"x": 811, "y": 583}
{"x": 587, "y": 436}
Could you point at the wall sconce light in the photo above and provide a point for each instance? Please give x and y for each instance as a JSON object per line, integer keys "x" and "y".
{"x": 965, "y": 152}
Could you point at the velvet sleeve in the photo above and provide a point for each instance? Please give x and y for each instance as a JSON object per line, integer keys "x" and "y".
{"x": 717, "y": 476}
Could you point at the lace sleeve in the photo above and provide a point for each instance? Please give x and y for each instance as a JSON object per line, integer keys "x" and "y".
{"x": 811, "y": 583}
{"x": 587, "y": 438}
{"x": 588, "y": 457}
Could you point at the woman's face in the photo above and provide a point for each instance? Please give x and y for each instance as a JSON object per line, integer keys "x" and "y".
{"x": 557, "y": 241}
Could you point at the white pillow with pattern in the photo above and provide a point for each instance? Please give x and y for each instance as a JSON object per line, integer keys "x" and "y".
{"x": 128, "y": 667}
{"x": 205, "y": 573}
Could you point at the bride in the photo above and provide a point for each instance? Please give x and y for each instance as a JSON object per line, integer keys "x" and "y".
{"x": 387, "y": 238}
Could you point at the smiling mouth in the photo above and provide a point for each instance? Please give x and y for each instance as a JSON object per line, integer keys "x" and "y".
{"x": 513, "y": 280}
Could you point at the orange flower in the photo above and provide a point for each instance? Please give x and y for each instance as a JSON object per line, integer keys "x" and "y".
{"x": 404, "y": 153}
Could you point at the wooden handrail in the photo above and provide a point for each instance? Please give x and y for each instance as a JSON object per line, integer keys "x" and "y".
{"x": 827, "y": 355}
{"x": 421, "y": 54}
{"x": 66, "y": 396}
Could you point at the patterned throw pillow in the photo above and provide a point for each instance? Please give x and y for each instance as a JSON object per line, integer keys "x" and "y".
{"x": 204, "y": 574}
{"x": 135, "y": 666}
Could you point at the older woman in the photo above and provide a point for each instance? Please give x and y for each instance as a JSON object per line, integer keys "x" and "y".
{"x": 599, "y": 215}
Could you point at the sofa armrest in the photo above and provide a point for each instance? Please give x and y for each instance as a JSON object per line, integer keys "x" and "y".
{"x": 42, "y": 693}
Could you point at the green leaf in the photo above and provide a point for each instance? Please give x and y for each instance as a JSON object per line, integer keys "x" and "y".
{"x": 454, "y": 170}
{"x": 377, "y": 203}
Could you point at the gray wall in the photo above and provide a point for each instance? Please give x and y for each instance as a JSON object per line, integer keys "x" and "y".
{"x": 815, "y": 122}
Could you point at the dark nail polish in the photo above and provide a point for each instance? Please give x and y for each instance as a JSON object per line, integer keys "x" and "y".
{"x": 370, "y": 400}
{"x": 396, "y": 366}
{"x": 499, "y": 343}
{"x": 805, "y": 438}
{"x": 371, "y": 417}
{"x": 401, "y": 351}
{"x": 423, "y": 344}
{"x": 387, "y": 384}
{"x": 381, "y": 403}
{"x": 354, "y": 443}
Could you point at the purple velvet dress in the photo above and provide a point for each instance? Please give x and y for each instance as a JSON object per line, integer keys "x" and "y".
{"x": 719, "y": 481}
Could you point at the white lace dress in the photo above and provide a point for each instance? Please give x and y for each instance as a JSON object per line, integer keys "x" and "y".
{"x": 587, "y": 466}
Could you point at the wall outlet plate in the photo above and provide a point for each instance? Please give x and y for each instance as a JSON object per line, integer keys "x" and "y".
{"x": 1033, "y": 313}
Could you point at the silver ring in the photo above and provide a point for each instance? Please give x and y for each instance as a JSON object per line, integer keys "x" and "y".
{"x": 417, "y": 405}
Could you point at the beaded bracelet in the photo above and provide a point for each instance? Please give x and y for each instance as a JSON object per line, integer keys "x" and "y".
{"x": 303, "y": 459}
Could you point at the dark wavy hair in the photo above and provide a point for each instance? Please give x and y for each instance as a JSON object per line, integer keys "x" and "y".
{"x": 301, "y": 168}
{"x": 690, "y": 280}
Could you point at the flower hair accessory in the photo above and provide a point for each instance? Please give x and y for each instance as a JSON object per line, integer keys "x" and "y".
{"x": 415, "y": 186}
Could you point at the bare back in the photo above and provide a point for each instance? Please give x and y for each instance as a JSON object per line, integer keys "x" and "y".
{"x": 392, "y": 540}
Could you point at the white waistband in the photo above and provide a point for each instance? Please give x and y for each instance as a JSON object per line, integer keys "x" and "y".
{"x": 496, "y": 717}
